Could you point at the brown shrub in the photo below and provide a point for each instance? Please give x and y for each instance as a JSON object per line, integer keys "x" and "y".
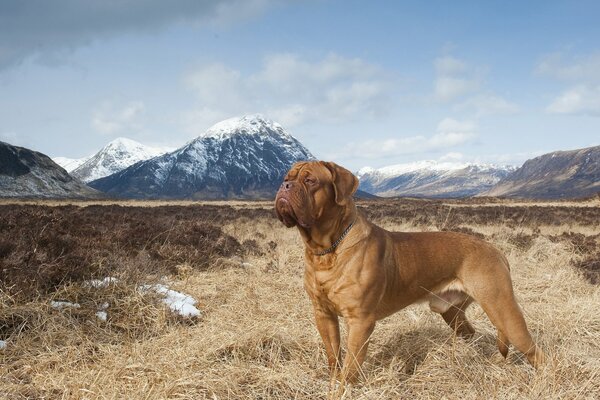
{"x": 590, "y": 268}
{"x": 44, "y": 247}
{"x": 588, "y": 246}
{"x": 522, "y": 241}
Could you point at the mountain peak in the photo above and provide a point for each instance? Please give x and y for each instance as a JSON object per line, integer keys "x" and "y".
{"x": 123, "y": 142}
{"x": 253, "y": 124}
{"x": 117, "y": 155}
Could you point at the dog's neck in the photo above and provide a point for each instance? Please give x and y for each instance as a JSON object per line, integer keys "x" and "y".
{"x": 329, "y": 228}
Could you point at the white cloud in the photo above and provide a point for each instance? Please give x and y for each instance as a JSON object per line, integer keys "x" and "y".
{"x": 489, "y": 104}
{"x": 580, "y": 99}
{"x": 450, "y": 133}
{"x": 215, "y": 84}
{"x": 291, "y": 90}
{"x": 108, "y": 120}
{"x": 453, "y": 79}
{"x": 448, "y": 65}
{"x": 452, "y": 156}
{"x": 586, "y": 68}
{"x": 462, "y": 84}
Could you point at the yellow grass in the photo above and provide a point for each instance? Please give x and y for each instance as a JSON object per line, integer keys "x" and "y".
{"x": 257, "y": 338}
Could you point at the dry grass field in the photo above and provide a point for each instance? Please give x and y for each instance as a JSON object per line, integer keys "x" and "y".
{"x": 256, "y": 338}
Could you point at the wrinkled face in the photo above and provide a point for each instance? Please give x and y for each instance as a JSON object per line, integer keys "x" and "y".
{"x": 310, "y": 189}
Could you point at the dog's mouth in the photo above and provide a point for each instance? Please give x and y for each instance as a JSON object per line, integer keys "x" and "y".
{"x": 285, "y": 212}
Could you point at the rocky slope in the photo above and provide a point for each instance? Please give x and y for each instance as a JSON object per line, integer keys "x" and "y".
{"x": 26, "y": 173}
{"x": 557, "y": 175}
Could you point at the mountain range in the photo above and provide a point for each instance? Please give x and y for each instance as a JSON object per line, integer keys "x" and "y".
{"x": 432, "y": 179}
{"x": 247, "y": 157}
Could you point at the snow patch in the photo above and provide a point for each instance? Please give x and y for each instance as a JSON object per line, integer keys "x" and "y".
{"x": 178, "y": 302}
{"x": 61, "y": 305}
{"x": 254, "y": 124}
{"x": 2, "y": 344}
{"x": 102, "y": 315}
{"x": 100, "y": 283}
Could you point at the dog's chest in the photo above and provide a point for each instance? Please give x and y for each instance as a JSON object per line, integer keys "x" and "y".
{"x": 324, "y": 286}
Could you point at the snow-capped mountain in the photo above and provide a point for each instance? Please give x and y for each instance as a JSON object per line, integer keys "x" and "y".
{"x": 244, "y": 157}
{"x": 431, "y": 179}
{"x": 114, "y": 157}
{"x": 556, "y": 175}
{"x": 70, "y": 164}
{"x": 27, "y": 173}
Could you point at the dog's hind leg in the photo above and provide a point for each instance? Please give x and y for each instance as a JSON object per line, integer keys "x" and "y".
{"x": 508, "y": 319}
{"x": 503, "y": 343}
{"x": 494, "y": 292}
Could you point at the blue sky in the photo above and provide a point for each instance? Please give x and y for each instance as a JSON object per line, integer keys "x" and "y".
{"x": 360, "y": 83}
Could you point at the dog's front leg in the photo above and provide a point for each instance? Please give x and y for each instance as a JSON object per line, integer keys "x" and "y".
{"x": 329, "y": 329}
{"x": 359, "y": 331}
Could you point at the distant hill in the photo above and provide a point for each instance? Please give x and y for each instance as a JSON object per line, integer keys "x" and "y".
{"x": 245, "y": 157}
{"x": 431, "y": 179}
{"x": 557, "y": 175}
{"x": 28, "y": 174}
{"x": 112, "y": 158}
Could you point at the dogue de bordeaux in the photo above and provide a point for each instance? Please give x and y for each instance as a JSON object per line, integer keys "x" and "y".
{"x": 364, "y": 273}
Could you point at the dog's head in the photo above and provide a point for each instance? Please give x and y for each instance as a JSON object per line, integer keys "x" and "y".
{"x": 312, "y": 190}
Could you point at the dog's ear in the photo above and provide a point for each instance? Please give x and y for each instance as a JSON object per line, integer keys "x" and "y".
{"x": 345, "y": 183}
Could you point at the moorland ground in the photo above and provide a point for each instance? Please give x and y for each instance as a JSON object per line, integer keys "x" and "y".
{"x": 256, "y": 338}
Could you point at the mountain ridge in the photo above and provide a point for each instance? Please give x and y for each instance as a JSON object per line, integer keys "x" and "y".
{"x": 556, "y": 175}
{"x": 428, "y": 178}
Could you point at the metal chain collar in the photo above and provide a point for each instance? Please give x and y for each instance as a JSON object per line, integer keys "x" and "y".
{"x": 337, "y": 242}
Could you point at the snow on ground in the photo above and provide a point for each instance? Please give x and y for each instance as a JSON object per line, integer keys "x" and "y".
{"x": 100, "y": 283}
{"x": 102, "y": 315}
{"x": 2, "y": 344}
{"x": 178, "y": 302}
{"x": 61, "y": 305}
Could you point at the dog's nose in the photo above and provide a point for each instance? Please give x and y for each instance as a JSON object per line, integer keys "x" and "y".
{"x": 287, "y": 185}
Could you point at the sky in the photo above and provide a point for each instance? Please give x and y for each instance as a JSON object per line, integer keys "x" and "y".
{"x": 361, "y": 83}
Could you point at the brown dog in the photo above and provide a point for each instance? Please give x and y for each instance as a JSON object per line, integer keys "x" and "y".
{"x": 364, "y": 273}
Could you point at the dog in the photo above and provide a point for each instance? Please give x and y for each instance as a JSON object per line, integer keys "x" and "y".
{"x": 364, "y": 273}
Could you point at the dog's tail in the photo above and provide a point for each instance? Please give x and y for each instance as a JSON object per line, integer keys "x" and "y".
{"x": 502, "y": 343}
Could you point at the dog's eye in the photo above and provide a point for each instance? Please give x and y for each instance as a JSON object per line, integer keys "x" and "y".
{"x": 310, "y": 181}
